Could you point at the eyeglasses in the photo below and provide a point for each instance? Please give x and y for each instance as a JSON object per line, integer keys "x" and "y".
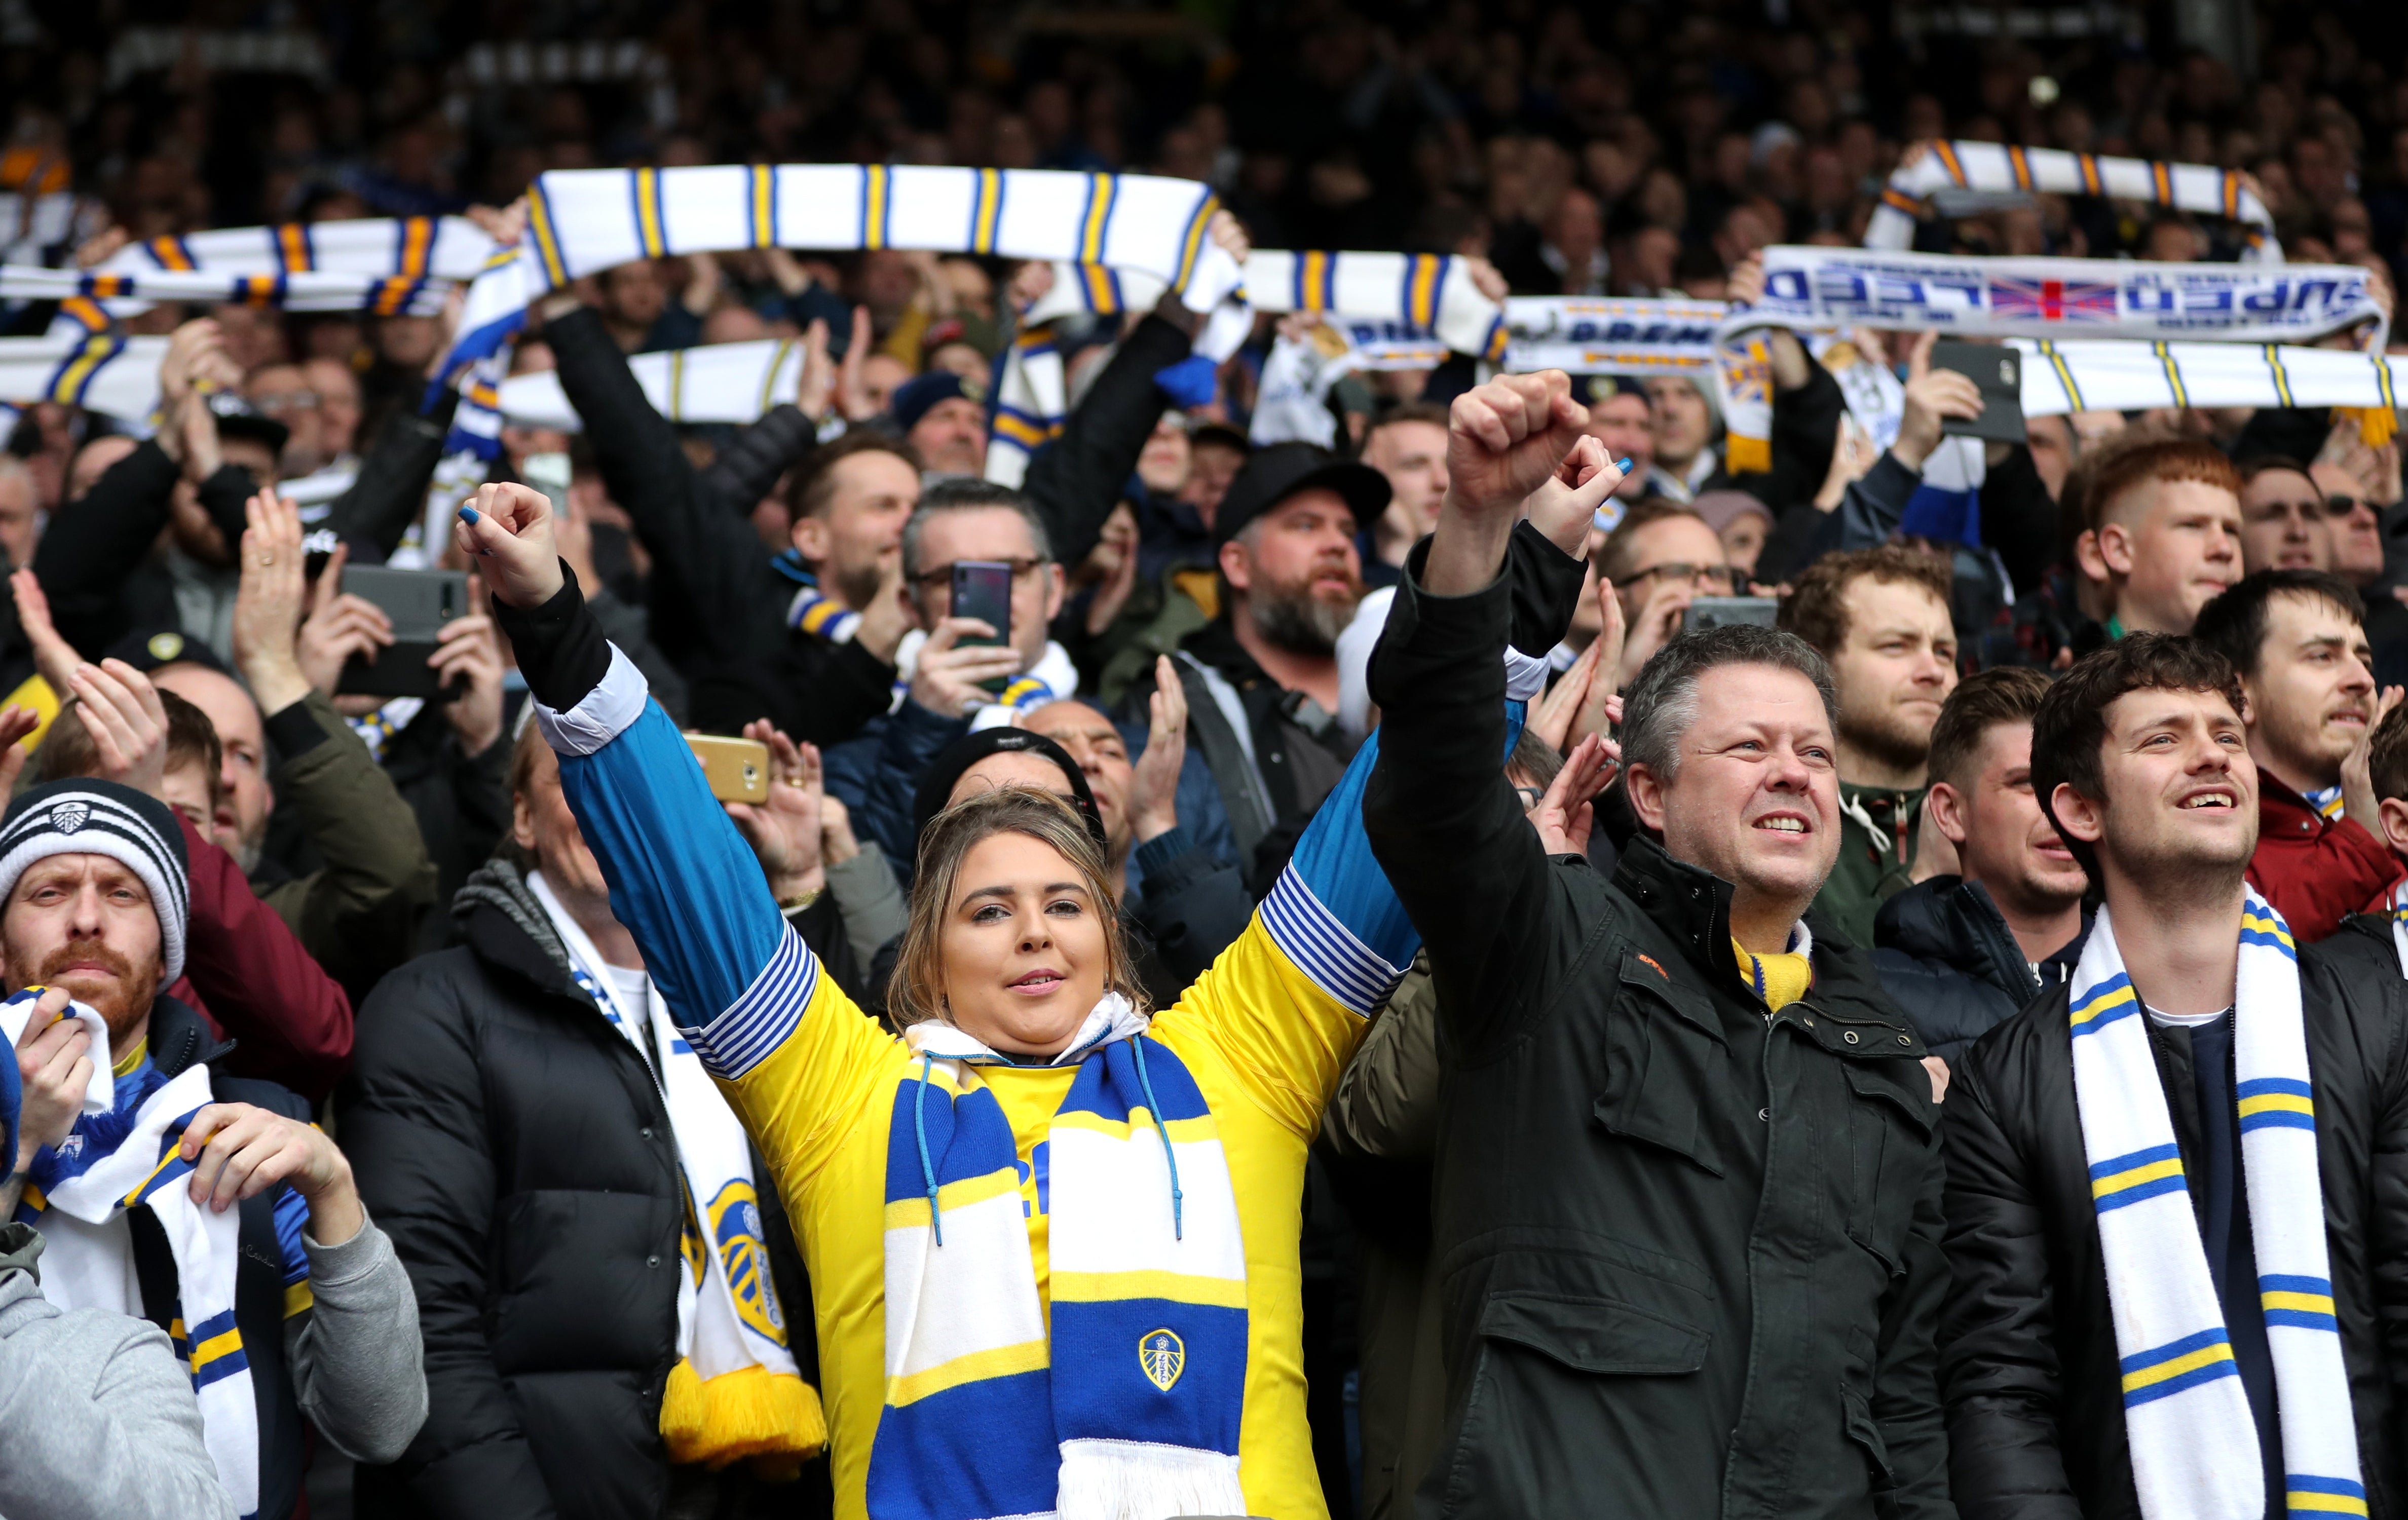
{"x": 2338, "y": 507}
{"x": 942, "y": 576}
{"x": 1704, "y": 575}
{"x": 1532, "y": 797}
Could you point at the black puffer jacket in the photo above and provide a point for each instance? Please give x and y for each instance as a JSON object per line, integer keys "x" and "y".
{"x": 1948, "y": 957}
{"x": 2029, "y": 1364}
{"x": 514, "y": 1144}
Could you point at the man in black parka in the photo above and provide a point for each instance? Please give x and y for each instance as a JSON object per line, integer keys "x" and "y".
{"x": 523, "y": 1147}
{"x": 2140, "y": 755}
{"x": 1687, "y": 1215}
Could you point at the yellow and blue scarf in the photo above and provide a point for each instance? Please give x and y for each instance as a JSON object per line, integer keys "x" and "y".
{"x": 1132, "y": 1405}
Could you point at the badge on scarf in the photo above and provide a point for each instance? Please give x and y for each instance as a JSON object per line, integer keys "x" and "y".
{"x": 1163, "y": 1355}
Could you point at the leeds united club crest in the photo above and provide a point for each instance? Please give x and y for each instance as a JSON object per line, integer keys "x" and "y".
{"x": 1162, "y": 1356}
{"x": 69, "y": 816}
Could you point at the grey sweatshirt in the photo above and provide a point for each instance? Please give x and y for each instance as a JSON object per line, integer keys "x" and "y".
{"x": 96, "y": 1420}
{"x": 357, "y": 1365}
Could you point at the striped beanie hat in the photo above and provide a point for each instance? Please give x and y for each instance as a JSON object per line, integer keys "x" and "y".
{"x": 81, "y": 816}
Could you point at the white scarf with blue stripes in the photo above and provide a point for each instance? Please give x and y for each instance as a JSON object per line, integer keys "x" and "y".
{"x": 78, "y": 1195}
{"x": 1130, "y": 1408}
{"x": 2195, "y": 1449}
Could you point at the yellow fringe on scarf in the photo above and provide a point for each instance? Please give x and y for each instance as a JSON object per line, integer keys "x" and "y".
{"x": 1747, "y": 456}
{"x": 773, "y": 1418}
{"x": 2377, "y": 425}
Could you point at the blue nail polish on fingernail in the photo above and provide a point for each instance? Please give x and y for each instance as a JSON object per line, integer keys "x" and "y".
{"x": 468, "y": 515}
{"x": 1622, "y": 465}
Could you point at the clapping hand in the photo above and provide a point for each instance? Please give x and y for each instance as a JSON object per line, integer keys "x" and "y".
{"x": 1565, "y": 813}
{"x": 121, "y": 709}
{"x": 1154, "y": 790}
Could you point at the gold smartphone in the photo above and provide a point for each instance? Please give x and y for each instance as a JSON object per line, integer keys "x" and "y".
{"x": 738, "y": 769}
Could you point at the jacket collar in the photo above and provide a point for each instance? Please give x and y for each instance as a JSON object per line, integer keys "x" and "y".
{"x": 2282, "y": 812}
{"x": 502, "y": 941}
{"x": 1687, "y": 902}
{"x": 180, "y": 1039}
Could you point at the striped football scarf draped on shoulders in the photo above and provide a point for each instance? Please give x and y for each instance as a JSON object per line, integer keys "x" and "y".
{"x": 1131, "y": 1407}
{"x": 2195, "y": 1447}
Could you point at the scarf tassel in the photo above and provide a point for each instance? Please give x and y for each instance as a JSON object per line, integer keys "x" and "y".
{"x": 1130, "y": 1480}
{"x": 2377, "y": 425}
{"x": 771, "y": 1417}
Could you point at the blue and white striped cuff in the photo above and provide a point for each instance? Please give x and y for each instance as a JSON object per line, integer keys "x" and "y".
{"x": 1525, "y": 675}
{"x": 1325, "y": 949}
{"x": 756, "y": 1023}
{"x": 610, "y": 710}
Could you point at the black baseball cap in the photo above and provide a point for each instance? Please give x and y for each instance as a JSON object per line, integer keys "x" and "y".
{"x": 148, "y": 649}
{"x": 236, "y": 419}
{"x": 1279, "y": 471}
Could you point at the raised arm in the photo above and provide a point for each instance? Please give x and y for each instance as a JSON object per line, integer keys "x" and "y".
{"x": 1440, "y": 817}
{"x": 736, "y": 979}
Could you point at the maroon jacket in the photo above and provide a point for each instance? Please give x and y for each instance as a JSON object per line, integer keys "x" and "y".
{"x": 249, "y": 977}
{"x": 2315, "y": 870}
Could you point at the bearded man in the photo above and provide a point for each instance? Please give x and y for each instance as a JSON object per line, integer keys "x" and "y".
{"x": 1261, "y": 679}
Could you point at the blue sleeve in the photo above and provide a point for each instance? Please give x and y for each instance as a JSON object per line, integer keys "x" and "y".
{"x": 1332, "y": 911}
{"x": 682, "y": 880}
{"x": 291, "y": 1216}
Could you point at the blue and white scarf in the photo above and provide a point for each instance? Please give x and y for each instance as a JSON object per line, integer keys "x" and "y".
{"x": 2195, "y": 1449}
{"x": 1957, "y": 178}
{"x": 736, "y": 1373}
{"x": 77, "y": 1197}
{"x": 1131, "y": 1410}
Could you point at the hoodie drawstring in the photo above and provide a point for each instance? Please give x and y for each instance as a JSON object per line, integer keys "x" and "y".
{"x": 1177, "y": 1230}
{"x": 919, "y": 1127}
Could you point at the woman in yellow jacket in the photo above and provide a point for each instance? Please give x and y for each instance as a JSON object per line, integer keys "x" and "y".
{"x": 1052, "y": 1239}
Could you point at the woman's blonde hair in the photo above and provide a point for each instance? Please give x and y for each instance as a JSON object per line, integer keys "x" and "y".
{"x": 917, "y": 991}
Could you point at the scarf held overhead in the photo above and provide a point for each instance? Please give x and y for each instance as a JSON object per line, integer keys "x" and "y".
{"x": 1130, "y": 1409}
{"x": 2195, "y": 1447}
{"x": 2052, "y": 297}
{"x": 1954, "y": 178}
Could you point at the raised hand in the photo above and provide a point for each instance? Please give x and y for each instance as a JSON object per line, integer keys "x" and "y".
{"x": 1564, "y": 815}
{"x": 946, "y": 680}
{"x": 2358, "y": 800}
{"x": 53, "y": 656}
{"x": 1552, "y": 719}
{"x": 17, "y": 724}
{"x": 787, "y": 831}
{"x": 54, "y": 1064}
{"x": 1154, "y": 790}
{"x": 121, "y": 709}
{"x": 818, "y": 381}
{"x": 268, "y": 603}
{"x": 338, "y": 628}
{"x": 509, "y": 526}
{"x": 1932, "y": 396}
{"x": 468, "y": 654}
{"x": 851, "y": 394}
{"x": 1504, "y": 440}
{"x": 1566, "y": 503}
